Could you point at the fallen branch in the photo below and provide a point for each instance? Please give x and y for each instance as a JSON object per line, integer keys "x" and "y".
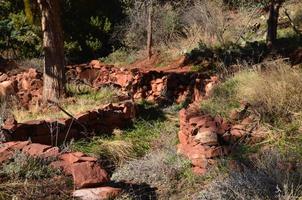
{"x": 70, "y": 115}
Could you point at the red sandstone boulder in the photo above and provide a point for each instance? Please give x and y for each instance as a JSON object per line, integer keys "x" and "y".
{"x": 36, "y": 149}
{"x": 8, "y": 149}
{"x": 6, "y": 89}
{"x": 88, "y": 174}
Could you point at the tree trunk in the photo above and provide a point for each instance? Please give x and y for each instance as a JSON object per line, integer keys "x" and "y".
{"x": 149, "y": 32}
{"x": 272, "y": 22}
{"x": 53, "y": 45}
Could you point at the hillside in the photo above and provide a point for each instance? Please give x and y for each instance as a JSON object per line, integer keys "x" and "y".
{"x": 212, "y": 110}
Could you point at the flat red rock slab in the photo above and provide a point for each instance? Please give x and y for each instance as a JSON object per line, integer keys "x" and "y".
{"x": 88, "y": 174}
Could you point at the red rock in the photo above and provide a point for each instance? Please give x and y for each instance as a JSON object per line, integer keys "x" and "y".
{"x": 8, "y": 149}
{"x": 6, "y": 89}
{"x": 123, "y": 79}
{"x": 198, "y": 121}
{"x": 100, "y": 193}
{"x": 239, "y": 126}
{"x": 199, "y": 171}
{"x": 207, "y": 137}
{"x": 237, "y": 133}
{"x": 52, "y": 152}
{"x": 10, "y": 124}
{"x": 19, "y": 145}
{"x": 183, "y": 138}
{"x": 87, "y": 158}
{"x": 35, "y": 149}
{"x": 61, "y": 165}
{"x": 214, "y": 152}
{"x": 70, "y": 158}
{"x": 88, "y": 174}
{"x": 95, "y": 64}
{"x": 32, "y": 73}
{"x": 200, "y": 162}
{"x": 25, "y": 85}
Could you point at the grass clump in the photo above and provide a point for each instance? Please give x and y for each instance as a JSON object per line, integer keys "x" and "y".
{"x": 116, "y": 151}
{"x": 276, "y": 93}
{"x": 223, "y": 99}
{"x": 27, "y": 167}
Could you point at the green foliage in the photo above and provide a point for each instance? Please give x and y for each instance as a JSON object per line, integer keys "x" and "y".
{"x": 18, "y": 37}
{"x": 88, "y": 26}
{"x": 27, "y": 167}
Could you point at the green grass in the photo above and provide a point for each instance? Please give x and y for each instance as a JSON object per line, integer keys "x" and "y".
{"x": 131, "y": 143}
{"x": 223, "y": 100}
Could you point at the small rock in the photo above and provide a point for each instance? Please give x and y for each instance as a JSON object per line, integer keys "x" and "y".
{"x": 101, "y": 193}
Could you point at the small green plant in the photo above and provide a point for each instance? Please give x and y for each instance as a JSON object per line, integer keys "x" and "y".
{"x": 28, "y": 167}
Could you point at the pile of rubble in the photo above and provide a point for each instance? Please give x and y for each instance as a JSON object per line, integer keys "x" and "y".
{"x": 26, "y": 86}
{"x": 203, "y": 138}
{"x": 53, "y": 132}
{"x": 152, "y": 86}
{"x": 89, "y": 177}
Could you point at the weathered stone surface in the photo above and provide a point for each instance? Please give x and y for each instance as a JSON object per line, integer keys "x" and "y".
{"x": 104, "y": 119}
{"x": 207, "y": 137}
{"x": 88, "y": 174}
{"x": 6, "y": 89}
{"x": 8, "y": 149}
{"x": 100, "y": 193}
{"x": 36, "y": 149}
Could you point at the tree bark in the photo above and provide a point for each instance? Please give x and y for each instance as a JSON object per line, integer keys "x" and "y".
{"x": 53, "y": 45}
{"x": 149, "y": 32}
{"x": 272, "y": 22}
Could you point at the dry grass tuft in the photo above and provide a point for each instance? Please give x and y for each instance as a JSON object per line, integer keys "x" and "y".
{"x": 116, "y": 152}
{"x": 275, "y": 92}
{"x": 82, "y": 102}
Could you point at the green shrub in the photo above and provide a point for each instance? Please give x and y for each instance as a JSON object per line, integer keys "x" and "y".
{"x": 28, "y": 167}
